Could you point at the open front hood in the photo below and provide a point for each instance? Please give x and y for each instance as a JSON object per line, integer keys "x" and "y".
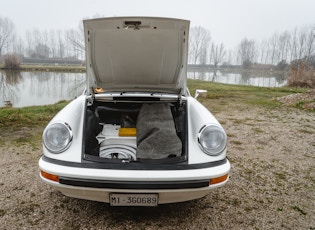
{"x": 137, "y": 54}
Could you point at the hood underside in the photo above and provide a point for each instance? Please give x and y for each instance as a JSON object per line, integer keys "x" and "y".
{"x": 137, "y": 54}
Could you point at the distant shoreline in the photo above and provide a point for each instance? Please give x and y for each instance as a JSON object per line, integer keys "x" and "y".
{"x": 49, "y": 68}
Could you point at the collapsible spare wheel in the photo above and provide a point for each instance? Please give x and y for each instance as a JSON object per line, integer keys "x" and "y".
{"x": 156, "y": 133}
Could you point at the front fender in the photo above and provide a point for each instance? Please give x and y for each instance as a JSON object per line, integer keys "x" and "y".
{"x": 198, "y": 116}
{"x": 73, "y": 114}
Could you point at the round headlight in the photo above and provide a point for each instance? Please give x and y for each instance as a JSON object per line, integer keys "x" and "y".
{"x": 57, "y": 137}
{"x": 212, "y": 139}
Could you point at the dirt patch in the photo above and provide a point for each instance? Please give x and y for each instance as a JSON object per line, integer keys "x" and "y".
{"x": 271, "y": 184}
{"x": 305, "y": 100}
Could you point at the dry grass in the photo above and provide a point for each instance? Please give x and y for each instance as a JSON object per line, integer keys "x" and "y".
{"x": 301, "y": 74}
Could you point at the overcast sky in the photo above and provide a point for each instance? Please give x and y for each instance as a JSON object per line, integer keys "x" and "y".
{"x": 228, "y": 21}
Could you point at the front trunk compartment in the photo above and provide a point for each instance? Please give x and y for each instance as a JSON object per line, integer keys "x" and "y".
{"x": 135, "y": 131}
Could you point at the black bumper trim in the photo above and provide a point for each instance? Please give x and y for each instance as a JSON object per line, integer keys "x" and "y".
{"x": 135, "y": 165}
{"x": 134, "y": 184}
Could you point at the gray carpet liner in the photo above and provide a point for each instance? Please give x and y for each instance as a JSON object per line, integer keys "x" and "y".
{"x": 156, "y": 133}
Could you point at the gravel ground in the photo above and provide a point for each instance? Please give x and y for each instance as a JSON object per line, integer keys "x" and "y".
{"x": 271, "y": 184}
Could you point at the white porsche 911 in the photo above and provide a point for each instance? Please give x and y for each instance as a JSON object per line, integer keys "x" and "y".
{"x": 135, "y": 137}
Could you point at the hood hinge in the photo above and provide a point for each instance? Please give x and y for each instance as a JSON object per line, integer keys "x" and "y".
{"x": 179, "y": 98}
{"x": 91, "y": 98}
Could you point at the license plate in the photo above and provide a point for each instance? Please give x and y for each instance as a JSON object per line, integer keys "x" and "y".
{"x": 121, "y": 199}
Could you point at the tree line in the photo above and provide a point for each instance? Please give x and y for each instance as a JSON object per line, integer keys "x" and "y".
{"x": 42, "y": 44}
{"x": 278, "y": 50}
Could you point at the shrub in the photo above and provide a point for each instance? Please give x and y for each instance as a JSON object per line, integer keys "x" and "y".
{"x": 247, "y": 64}
{"x": 301, "y": 74}
{"x": 11, "y": 61}
{"x": 282, "y": 65}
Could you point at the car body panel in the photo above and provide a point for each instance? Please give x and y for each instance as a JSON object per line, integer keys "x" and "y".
{"x": 103, "y": 195}
{"x": 72, "y": 114}
{"x": 123, "y": 176}
{"x": 134, "y": 175}
{"x": 159, "y": 45}
{"x": 198, "y": 116}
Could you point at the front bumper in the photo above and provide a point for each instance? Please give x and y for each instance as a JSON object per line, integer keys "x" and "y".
{"x": 170, "y": 185}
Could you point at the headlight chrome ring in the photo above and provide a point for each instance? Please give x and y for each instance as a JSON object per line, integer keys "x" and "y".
{"x": 57, "y": 137}
{"x": 212, "y": 139}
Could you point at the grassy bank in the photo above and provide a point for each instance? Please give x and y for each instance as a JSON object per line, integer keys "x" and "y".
{"x": 33, "y": 116}
{"x": 252, "y": 95}
{"x": 22, "y": 126}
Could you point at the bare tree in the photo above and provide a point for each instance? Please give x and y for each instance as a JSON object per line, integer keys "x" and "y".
{"x": 302, "y": 43}
{"x": 52, "y": 43}
{"x": 61, "y": 44}
{"x": 288, "y": 46}
{"x": 38, "y": 45}
{"x": 75, "y": 37}
{"x": 203, "y": 57}
{"x": 284, "y": 46}
{"x": 217, "y": 54}
{"x": 310, "y": 42}
{"x": 247, "y": 52}
{"x": 7, "y": 33}
{"x": 264, "y": 52}
{"x": 45, "y": 42}
{"x": 230, "y": 57}
{"x": 199, "y": 39}
{"x": 18, "y": 47}
{"x": 274, "y": 52}
{"x": 30, "y": 43}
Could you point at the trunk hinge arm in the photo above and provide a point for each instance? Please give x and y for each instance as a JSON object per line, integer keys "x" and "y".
{"x": 179, "y": 98}
{"x": 91, "y": 97}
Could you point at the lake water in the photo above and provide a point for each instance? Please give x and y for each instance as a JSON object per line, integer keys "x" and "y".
{"x": 39, "y": 88}
{"x": 255, "y": 79}
{"x": 42, "y": 88}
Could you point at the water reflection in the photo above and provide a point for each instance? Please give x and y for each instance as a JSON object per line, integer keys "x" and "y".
{"x": 21, "y": 89}
{"x": 244, "y": 78}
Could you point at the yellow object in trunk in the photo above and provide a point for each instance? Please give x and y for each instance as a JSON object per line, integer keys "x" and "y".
{"x": 127, "y": 132}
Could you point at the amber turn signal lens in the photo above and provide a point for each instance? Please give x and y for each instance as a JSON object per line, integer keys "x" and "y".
{"x": 49, "y": 176}
{"x": 218, "y": 179}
